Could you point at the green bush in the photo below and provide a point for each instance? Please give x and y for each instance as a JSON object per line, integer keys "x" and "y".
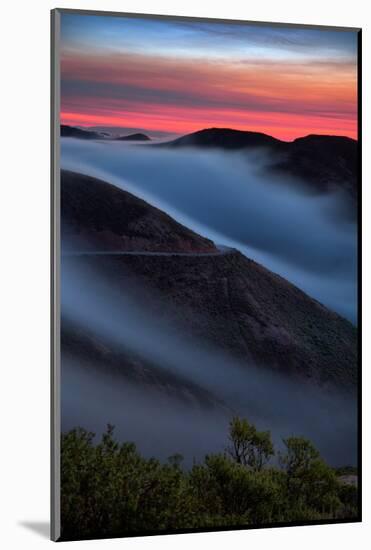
{"x": 109, "y": 489}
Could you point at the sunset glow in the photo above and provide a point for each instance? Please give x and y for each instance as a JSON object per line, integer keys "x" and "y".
{"x": 181, "y": 76}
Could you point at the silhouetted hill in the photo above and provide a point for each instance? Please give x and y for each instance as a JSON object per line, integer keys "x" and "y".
{"x": 71, "y": 131}
{"x": 227, "y": 138}
{"x": 326, "y": 162}
{"x": 100, "y": 216}
{"x": 134, "y": 137}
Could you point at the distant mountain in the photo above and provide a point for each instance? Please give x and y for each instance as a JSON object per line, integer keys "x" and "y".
{"x": 71, "y": 131}
{"x": 133, "y": 137}
{"x": 117, "y": 131}
{"x": 226, "y": 138}
{"x": 326, "y": 162}
{"x": 100, "y": 216}
{"x": 80, "y": 133}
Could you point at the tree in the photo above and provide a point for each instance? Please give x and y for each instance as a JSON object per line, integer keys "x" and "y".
{"x": 311, "y": 483}
{"x": 109, "y": 489}
{"x": 300, "y": 454}
{"x": 249, "y": 446}
{"x": 176, "y": 460}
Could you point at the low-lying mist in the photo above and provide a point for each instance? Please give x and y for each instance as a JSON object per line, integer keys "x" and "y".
{"x": 236, "y": 200}
{"x": 158, "y": 421}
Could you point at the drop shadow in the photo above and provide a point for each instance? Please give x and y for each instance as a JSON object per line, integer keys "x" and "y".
{"x": 41, "y": 528}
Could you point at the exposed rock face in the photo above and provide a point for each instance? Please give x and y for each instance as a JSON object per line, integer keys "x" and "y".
{"x": 99, "y": 216}
{"x": 71, "y": 131}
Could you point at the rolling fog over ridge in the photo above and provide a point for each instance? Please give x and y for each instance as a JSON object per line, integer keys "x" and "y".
{"x": 120, "y": 321}
{"x": 234, "y": 199}
{"x": 304, "y": 237}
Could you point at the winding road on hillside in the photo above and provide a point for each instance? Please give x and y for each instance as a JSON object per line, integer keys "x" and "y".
{"x": 222, "y": 251}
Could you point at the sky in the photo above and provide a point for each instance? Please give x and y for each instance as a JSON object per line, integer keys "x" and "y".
{"x": 179, "y": 76}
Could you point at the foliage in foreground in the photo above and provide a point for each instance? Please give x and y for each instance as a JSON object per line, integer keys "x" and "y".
{"x": 109, "y": 489}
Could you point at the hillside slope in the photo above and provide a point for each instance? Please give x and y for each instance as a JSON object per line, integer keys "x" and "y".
{"x": 99, "y": 216}
{"x": 221, "y": 298}
{"x": 244, "y": 310}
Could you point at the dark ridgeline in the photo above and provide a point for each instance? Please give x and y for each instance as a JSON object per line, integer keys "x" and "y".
{"x": 327, "y": 162}
{"x": 134, "y": 137}
{"x": 79, "y": 133}
{"x": 108, "y": 218}
{"x": 72, "y": 131}
{"x": 227, "y": 138}
{"x": 223, "y": 298}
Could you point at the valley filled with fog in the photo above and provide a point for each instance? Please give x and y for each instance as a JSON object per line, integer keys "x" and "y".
{"x": 234, "y": 199}
{"x": 237, "y": 201}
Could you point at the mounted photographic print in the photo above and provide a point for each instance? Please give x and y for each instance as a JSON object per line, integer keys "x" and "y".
{"x": 205, "y": 290}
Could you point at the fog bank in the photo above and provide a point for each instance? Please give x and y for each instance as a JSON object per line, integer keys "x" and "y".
{"x": 158, "y": 421}
{"x": 234, "y": 199}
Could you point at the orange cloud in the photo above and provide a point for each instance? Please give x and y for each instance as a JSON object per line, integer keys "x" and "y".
{"x": 283, "y": 99}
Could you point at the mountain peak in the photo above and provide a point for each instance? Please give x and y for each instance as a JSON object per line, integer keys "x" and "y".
{"x": 325, "y": 162}
{"x": 72, "y": 131}
{"x": 134, "y": 137}
{"x": 226, "y": 138}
